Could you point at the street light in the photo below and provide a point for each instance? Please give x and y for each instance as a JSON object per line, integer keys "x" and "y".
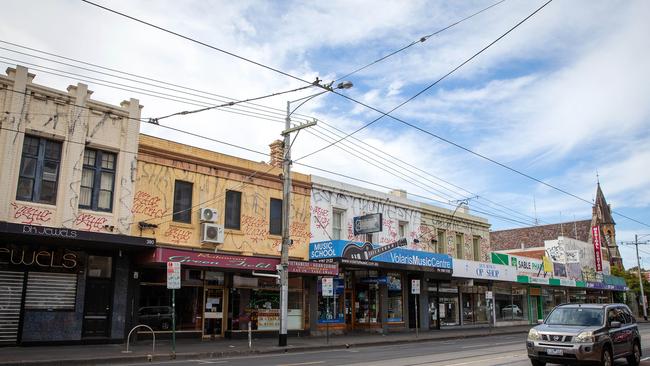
{"x": 283, "y": 269}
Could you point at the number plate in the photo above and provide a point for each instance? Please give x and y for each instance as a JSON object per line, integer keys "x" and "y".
{"x": 554, "y": 352}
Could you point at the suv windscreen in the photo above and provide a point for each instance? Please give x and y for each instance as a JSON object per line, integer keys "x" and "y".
{"x": 575, "y": 316}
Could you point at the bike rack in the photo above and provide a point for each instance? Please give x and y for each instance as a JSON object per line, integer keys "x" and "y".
{"x": 128, "y": 339}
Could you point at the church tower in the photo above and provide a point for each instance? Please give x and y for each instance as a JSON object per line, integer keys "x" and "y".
{"x": 602, "y": 217}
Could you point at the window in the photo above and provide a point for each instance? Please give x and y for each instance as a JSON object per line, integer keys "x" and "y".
{"x": 401, "y": 230}
{"x": 233, "y": 210}
{"x": 100, "y": 267}
{"x": 337, "y": 222}
{"x": 394, "y": 297}
{"x": 442, "y": 242}
{"x": 459, "y": 246}
{"x": 275, "y": 219}
{"x": 182, "y": 202}
{"x": 39, "y": 170}
{"x": 477, "y": 248}
{"x": 97, "y": 180}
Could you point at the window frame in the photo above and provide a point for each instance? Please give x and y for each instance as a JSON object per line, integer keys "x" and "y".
{"x": 273, "y": 205}
{"x": 340, "y": 213}
{"x": 460, "y": 241}
{"x": 476, "y": 248}
{"x": 402, "y": 229}
{"x": 182, "y": 214}
{"x": 37, "y": 179}
{"x": 226, "y": 222}
{"x": 441, "y": 237}
{"x": 95, "y": 189}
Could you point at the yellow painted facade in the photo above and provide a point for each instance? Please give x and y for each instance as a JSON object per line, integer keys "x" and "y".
{"x": 162, "y": 162}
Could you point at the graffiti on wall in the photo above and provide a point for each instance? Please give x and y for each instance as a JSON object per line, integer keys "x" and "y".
{"x": 31, "y": 215}
{"x": 148, "y": 205}
{"x": 178, "y": 235}
{"x": 90, "y": 222}
{"x": 254, "y": 228}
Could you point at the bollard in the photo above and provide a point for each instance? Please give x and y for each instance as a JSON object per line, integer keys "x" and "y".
{"x": 250, "y": 338}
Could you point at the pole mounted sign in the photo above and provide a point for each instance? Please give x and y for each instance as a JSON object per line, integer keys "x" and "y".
{"x": 595, "y": 234}
{"x": 173, "y": 275}
{"x": 367, "y": 224}
{"x": 415, "y": 287}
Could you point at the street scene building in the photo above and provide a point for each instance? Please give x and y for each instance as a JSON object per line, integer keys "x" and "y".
{"x": 68, "y": 173}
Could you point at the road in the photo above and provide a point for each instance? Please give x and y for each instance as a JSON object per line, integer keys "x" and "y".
{"x": 498, "y": 350}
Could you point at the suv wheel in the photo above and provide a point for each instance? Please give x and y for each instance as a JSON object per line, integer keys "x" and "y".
{"x": 606, "y": 359}
{"x": 537, "y": 362}
{"x": 635, "y": 358}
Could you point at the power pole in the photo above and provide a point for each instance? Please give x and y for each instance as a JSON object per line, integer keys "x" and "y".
{"x": 638, "y": 265}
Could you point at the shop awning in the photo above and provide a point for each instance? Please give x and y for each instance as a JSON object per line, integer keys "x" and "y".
{"x": 60, "y": 236}
{"x": 389, "y": 256}
{"x": 237, "y": 262}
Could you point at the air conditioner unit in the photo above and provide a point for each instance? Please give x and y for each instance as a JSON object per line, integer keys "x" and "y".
{"x": 208, "y": 215}
{"x": 212, "y": 233}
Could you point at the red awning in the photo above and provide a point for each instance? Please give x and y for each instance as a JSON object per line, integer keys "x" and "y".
{"x": 229, "y": 261}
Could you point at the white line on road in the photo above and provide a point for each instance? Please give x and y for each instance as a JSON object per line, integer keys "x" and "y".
{"x": 488, "y": 344}
{"x": 301, "y": 363}
{"x": 484, "y": 360}
{"x": 210, "y": 362}
{"x": 645, "y": 359}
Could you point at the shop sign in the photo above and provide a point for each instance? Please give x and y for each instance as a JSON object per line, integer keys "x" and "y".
{"x": 66, "y": 233}
{"x": 26, "y": 257}
{"x": 524, "y": 266}
{"x": 367, "y": 224}
{"x": 481, "y": 270}
{"x": 173, "y": 275}
{"x": 567, "y": 282}
{"x": 331, "y": 269}
{"x": 489, "y": 295}
{"x": 203, "y": 259}
{"x": 396, "y": 255}
{"x": 595, "y": 234}
{"x": 415, "y": 287}
{"x": 538, "y": 280}
{"x": 268, "y": 319}
{"x": 382, "y": 280}
{"x": 328, "y": 286}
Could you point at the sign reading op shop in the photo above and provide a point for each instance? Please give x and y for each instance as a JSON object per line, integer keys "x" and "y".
{"x": 349, "y": 252}
{"x": 484, "y": 271}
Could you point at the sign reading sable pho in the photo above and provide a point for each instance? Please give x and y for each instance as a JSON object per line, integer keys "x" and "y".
{"x": 173, "y": 275}
{"x": 367, "y": 224}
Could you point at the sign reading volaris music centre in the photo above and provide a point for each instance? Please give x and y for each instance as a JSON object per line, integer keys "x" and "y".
{"x": 372, "y": 255}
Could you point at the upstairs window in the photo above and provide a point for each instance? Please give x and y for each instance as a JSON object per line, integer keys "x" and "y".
{"x": 459, "y": 246}
{"x": 233, "y": 210}
{"x": 401, "y": 230}
{"x": 337, "y": 224}
{"x": 97, "y": 180}
{"x": 182, "y": 202}
{"x": 442, "y": 242}
{"x": 39, "y": 170}
{"x": 477, "y": 248}
{"x": 275, "y": 220}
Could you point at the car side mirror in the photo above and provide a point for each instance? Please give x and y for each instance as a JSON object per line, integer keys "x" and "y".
{"x": 615, "y": 324}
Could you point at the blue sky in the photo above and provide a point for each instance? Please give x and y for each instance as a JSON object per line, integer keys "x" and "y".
{"x": 562, "y": 98}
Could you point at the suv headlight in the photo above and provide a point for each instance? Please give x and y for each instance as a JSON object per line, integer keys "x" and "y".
{"x": 533, "y": 335}
{"x": 585, "y": 337}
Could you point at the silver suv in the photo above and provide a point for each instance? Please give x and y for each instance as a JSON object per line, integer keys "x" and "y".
{"x": 585, "y": 333}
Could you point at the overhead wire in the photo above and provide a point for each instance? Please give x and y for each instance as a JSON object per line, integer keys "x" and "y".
{"x": 362, "y": 104}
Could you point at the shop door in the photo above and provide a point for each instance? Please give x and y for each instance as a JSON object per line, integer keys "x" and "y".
{"x": 11, "y": 295}
{"x": 213, "y": 312}
{"x": 97, "y": 308}
{"x": 349, "y": 309}
{"x": 534, "y": 309}
{"x": 433, "y": 311}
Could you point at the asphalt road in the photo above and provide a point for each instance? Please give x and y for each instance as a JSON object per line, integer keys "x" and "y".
{"x": 496, "y": 350}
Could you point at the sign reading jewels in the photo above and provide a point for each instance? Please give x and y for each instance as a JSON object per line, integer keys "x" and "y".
{"x": 481, "y": 270}
{"x": 368, "y": 254}
{"x": 43, "y": 258}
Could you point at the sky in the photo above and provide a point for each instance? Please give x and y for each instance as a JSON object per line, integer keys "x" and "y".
{"x": 562, "y": 98}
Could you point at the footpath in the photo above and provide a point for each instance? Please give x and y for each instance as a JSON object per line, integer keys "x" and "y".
{"x": 142, "y": 352}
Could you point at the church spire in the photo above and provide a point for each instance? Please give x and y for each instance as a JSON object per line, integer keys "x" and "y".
{"x": 603, "y": 210}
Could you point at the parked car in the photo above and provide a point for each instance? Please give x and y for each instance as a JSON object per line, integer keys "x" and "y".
{"x": 510, "y": 311}
{"x": 157, "y": 317}
{"x": 585, "y": 333}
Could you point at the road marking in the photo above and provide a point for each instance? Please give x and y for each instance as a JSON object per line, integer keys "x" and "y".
{"x": 645, "y": 359}
{"x": 301, "y": 363}
{"x": 483, "y": 360}
{"x": 210, "y": 362}
{"x": 489, "y": 344}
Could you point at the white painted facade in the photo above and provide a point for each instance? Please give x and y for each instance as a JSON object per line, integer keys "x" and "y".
{"x": 77, "y": 122}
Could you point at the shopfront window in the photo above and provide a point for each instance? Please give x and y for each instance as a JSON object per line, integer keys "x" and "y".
{"x": 394, "y": 282}
{"x": 577, "y": 296}
{"x": 475, "y": 310}
{"x": 331, "y": 308}
{"x": 448, "y": 306}
{"x": 367, "y": 297}
{"x": 257, "y": 300}
{"x": 510, "y": 302}
{"x": 155, "y": 308}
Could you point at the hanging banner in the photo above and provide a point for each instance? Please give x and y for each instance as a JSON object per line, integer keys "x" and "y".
{"x": 595, "y": 234}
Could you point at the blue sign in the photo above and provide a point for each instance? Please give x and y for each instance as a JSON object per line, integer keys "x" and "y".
{"x": 389, "y": 253}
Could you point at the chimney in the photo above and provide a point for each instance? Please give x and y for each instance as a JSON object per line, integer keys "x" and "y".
{"x": 277, "y": 153}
